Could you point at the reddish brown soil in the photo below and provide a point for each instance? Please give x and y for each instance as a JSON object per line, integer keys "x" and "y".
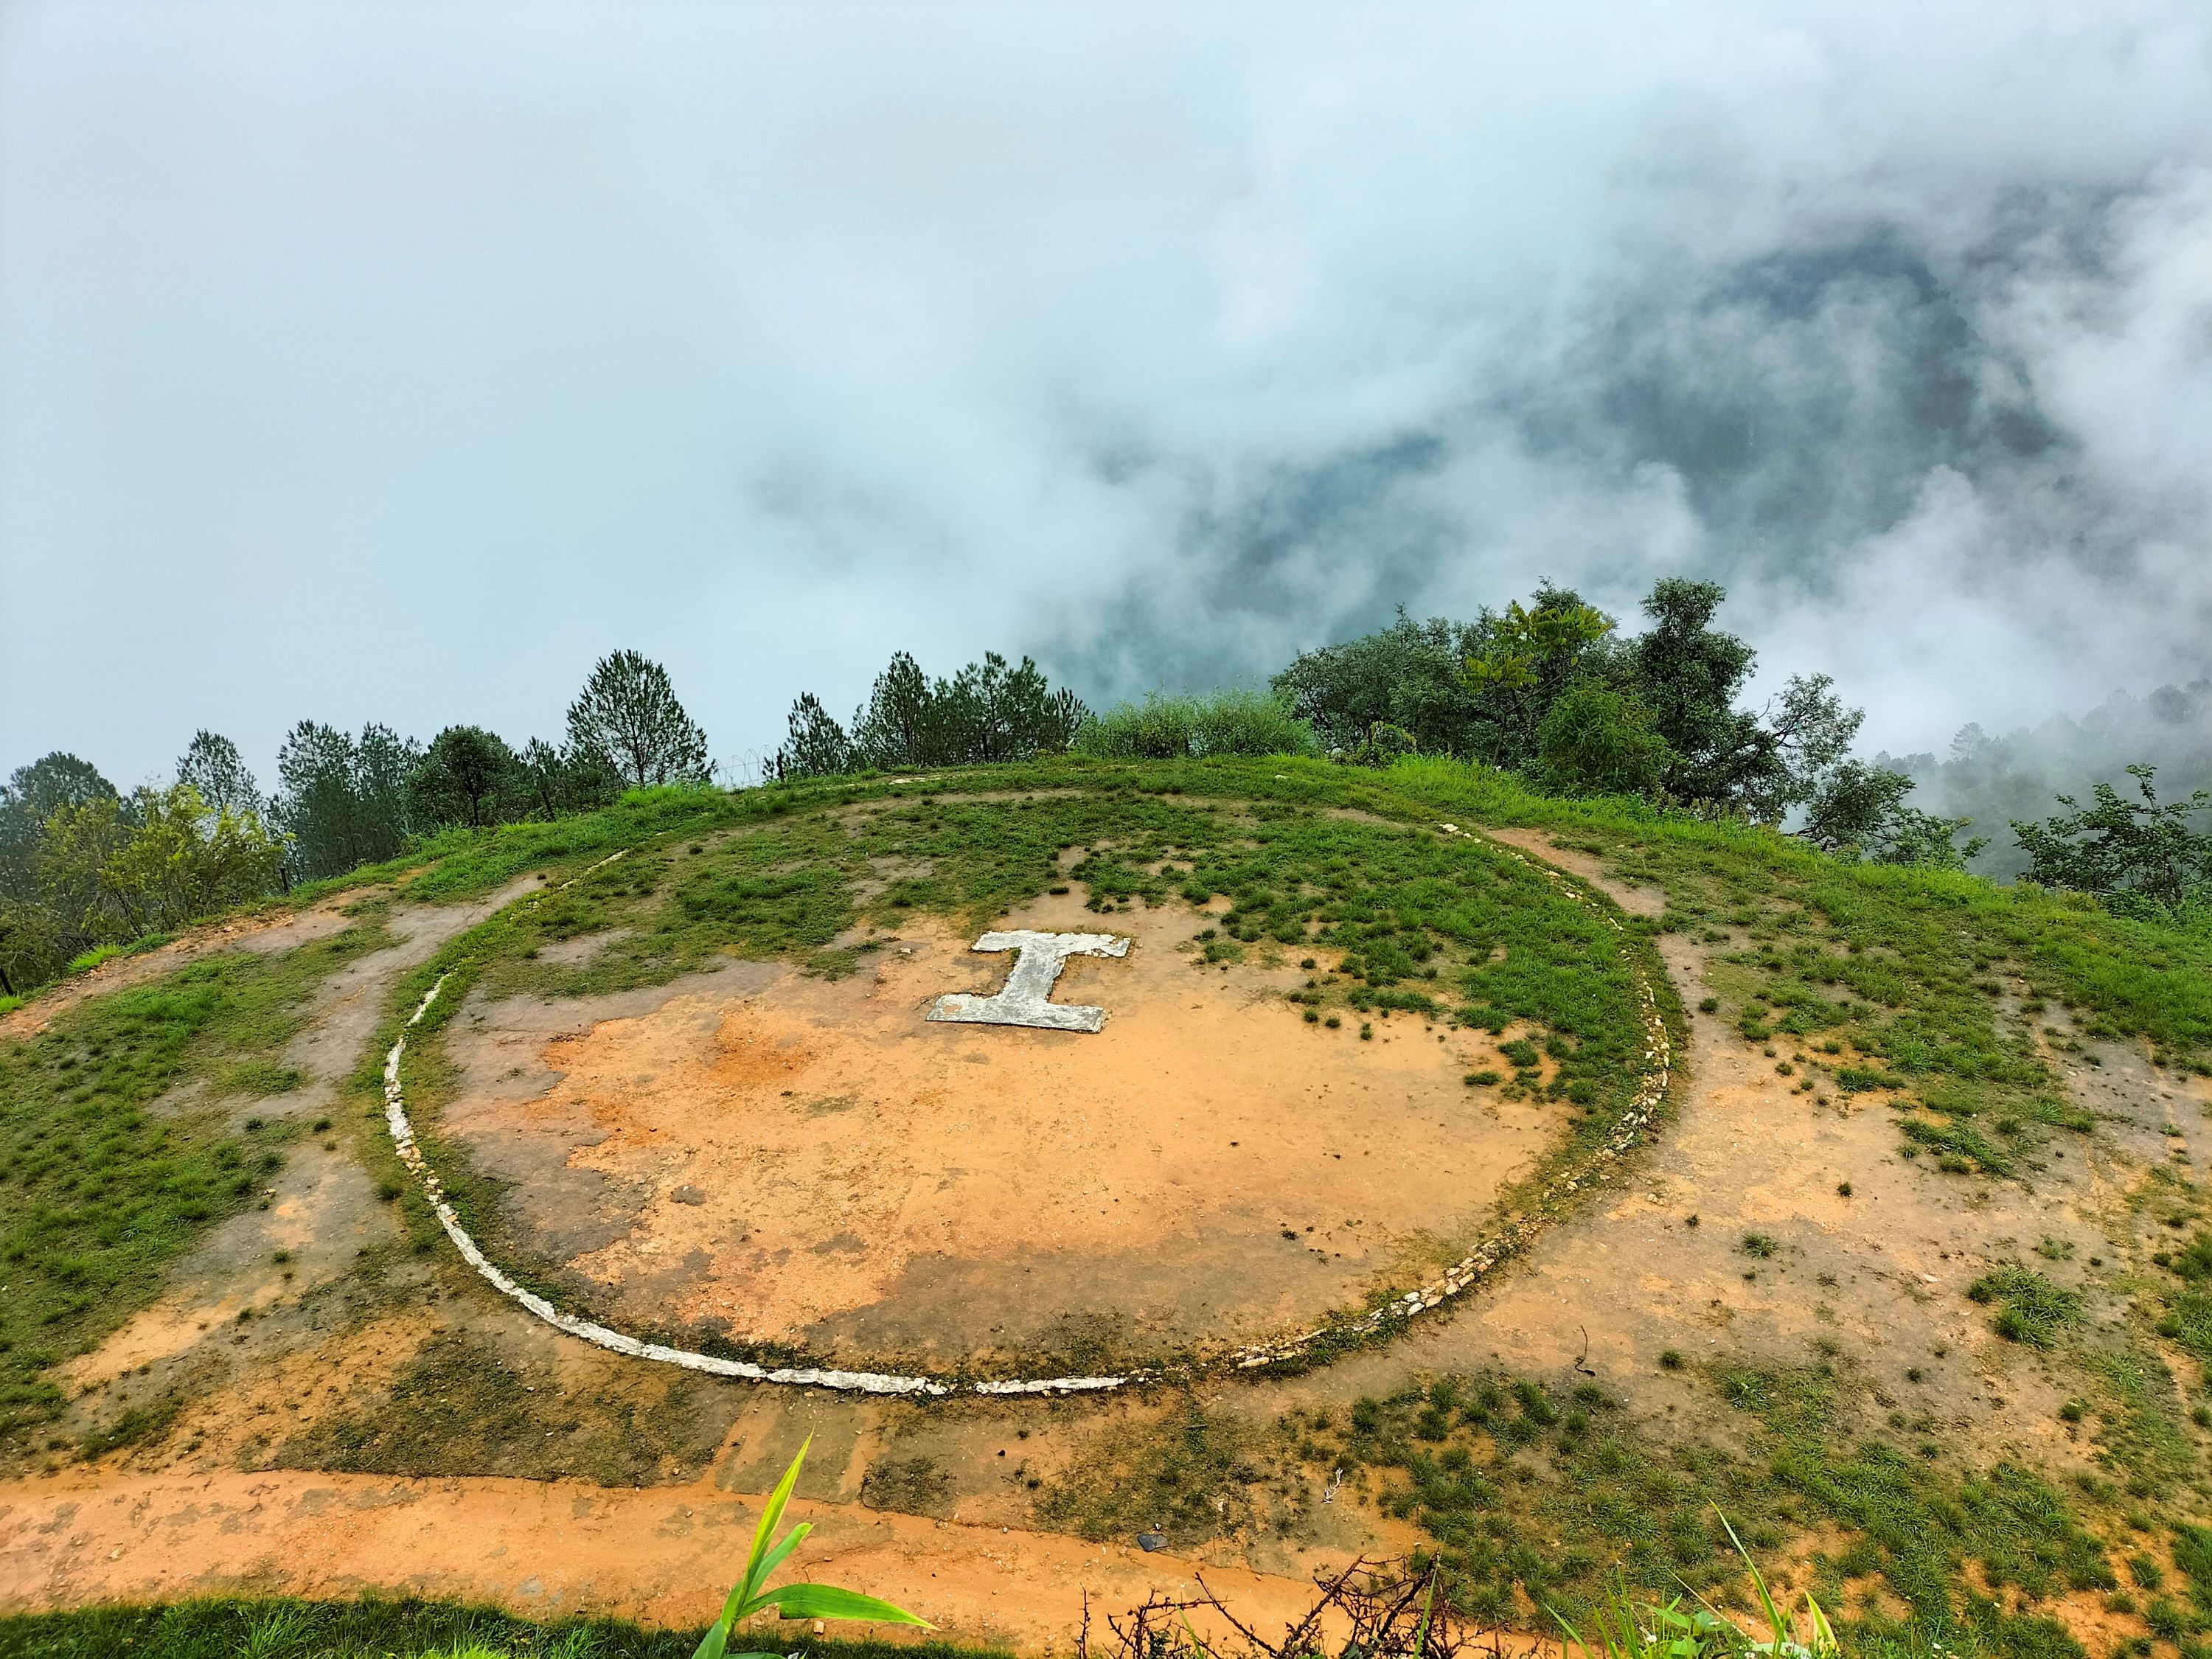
{"x": 796, "y": 1160}
{"x": 665, "y": 1555}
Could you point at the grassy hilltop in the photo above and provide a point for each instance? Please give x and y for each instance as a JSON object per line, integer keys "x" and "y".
{"x": 136, "y": 1124}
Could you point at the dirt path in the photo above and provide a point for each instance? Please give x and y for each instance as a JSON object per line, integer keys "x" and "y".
{"x": 269, "y": 930}
{"x": 664, "y": 1556}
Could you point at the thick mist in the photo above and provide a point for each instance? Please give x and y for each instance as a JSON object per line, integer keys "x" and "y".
{"x": 374, "y": 363}
{"x": 1995, "y": 778}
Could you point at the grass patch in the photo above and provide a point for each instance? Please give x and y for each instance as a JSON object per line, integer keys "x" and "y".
{"x": 1535, "y": 1496}
{"x": 459, "y": 1408}
{"x": 100, "y": 1190}
{"x": 376, "y": 1628}
{"x": 2029, "y": 1308}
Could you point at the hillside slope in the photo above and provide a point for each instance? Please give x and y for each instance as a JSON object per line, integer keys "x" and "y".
{"x": 1900, "y": 1273}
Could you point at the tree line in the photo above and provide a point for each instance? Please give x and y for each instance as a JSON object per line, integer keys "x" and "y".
{"x": 1551, "y": 689}
{"x": 86, "y": 868}
{"x": 1551, "y": 692}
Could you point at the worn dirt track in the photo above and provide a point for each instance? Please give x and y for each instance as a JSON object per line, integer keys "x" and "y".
{"x": 267, "y": 930}
{"x": 662, "y": 1556}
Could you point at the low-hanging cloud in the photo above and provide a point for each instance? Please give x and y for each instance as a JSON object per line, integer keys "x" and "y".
{"x": 389, "y": 363}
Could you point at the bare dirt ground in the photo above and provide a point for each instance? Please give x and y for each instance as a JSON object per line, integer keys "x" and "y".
{"x": 1873, "y": 1281}
{"x": 662, "y": 1556}
{"x": 777, "y": 1157}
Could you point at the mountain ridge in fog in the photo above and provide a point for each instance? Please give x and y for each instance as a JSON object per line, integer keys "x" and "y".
{"x": 2020, "y": 773}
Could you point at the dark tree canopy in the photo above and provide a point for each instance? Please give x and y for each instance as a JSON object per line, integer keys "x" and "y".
{"x": 990, "y": 711}
{"x": 213, "y": 766}
{"x": 818, "y": 746}
{"x": 342, "y": 799}
{"x": 1410, "y": 675}
{"x": 1689, "y": 673}
{"x": 467, "y": 775}
{"x": 628, "y": 714}
{"x": 564, "y": 779}
{"x": 1478, "y": 689}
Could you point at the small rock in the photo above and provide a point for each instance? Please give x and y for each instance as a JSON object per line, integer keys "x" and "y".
{"x": 1149, "y": 1541}
{"x": 689, "y": 1194}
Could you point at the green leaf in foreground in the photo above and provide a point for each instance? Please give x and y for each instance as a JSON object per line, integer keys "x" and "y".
{"x": 747, "y": 1597}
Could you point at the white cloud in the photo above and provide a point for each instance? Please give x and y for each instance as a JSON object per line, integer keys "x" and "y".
{"x": 371, "y": 362}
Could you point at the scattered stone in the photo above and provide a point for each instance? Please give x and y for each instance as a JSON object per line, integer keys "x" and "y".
{"x": 1149, "y": 1541}
{"x": 688, "y": 1194}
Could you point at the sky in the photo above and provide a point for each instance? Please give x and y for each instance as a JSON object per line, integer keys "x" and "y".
{"x": 395, "y": 362}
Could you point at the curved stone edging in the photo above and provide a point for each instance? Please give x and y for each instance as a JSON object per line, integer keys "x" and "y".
{"x": 1469, "y": 1271}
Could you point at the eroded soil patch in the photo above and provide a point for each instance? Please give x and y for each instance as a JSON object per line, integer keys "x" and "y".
{"x": 784, "y": 1159}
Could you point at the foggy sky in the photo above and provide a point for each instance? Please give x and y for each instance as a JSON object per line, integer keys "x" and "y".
{"x": 394, "y": 362}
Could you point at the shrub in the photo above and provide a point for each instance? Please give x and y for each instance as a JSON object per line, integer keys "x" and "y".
{"x": 1193, "y": 727}
{"x": 1595, "y": 740}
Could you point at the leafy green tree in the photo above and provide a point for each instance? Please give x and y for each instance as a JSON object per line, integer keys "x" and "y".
{"x": 818, "y": 746}
{"x": 1596, "y": 740}
{"x": 1479, "y": 688}
{"x": 628, "y": 716}
{"x": 1410, "y": 675}
{"x": 213, "y": 766}
{"x": 1527, "y": 659}
{"x": 343, "y": 801}
{"x": 1858, "y": 811}
{"x": 174, "y": 860}
{"x": 2141, "y": 857}
{"x": 897, "y": 729}
{"x": 33, "y": 794}
{"x": 31, "y": 945}
{"x": 1688, "y": 674}
{"x": 467, "y": 775}
{"x": 1911, "y": 836}
{"x": 989, "y": 711}
{"x": 1803, "y": 735}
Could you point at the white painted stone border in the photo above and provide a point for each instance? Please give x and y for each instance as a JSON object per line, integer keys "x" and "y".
{"x": 1658, "y": 1055}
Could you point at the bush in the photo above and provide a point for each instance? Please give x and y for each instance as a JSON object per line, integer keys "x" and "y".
{"x": 1192, "y": 727}
{"x": 1595, "y": 740}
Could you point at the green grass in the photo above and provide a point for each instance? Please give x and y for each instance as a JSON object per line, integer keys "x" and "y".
{"x": 99, "y": 1189}
{"x": 374, "y": 1628}
{"x": 459, "y": 1407}
{"x": 2029, "y": 1308}
{"x": 1521, "y": 1484}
